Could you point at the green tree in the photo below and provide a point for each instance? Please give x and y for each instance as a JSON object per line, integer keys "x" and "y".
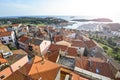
{"x": 105, "y": 48}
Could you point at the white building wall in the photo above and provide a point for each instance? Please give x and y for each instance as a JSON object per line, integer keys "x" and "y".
{"x": 92, "y": 74}
{"x": 58, "y": 76}
{"x": 7, "y": 38}
{"x": 44, "y": 46}
{"x": 13, "y": 36}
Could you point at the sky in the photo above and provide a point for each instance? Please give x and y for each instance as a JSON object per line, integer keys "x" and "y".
{"x": 100, "y": 8}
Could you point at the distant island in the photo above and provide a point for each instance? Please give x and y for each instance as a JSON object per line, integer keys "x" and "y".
{"x": 96, "y": 20}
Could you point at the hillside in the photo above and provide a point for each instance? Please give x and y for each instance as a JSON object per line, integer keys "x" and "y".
{"x": 96, "y": 20}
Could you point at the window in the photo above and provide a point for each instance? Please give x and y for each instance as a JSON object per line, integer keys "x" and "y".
{"x": 93, "y": 48}
{"x": 10, "y": 40}
{"x": 3, "y": 41}
{"x": 30, "y": 48}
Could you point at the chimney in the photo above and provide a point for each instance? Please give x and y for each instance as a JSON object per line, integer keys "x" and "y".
{"x": 43, "y": 60}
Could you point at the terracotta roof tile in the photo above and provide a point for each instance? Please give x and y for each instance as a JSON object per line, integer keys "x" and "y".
{"x": 46, "y": 70}
{"x": 5, "y": 34}
{"x": 54, "y": 47}
{"x": 58, "y": 38}
{"x": 80, "y": 38}
{"x": 2, "y": 60}
{"x": 23, "y": 39}
{"x": 78, "y": 44}
{"x": 3, "y": 29}
{"x": 26, "y": 68}
{"x": 72, "y": 52}
{"x": 52, "y": 56}
{"x": 53, "y": 52}
{"x": 17, "y": 76}
{"x": 68, "y": 39}
{"x": 6, "y": 72}
{"x": 93, "y": 64}
{"x": 90, "y": 44}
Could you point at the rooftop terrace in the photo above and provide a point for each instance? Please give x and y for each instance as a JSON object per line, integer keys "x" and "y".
{"x": 67, "y": 62}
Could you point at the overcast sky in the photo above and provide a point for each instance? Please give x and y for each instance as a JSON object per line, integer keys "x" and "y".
{"x": 101, "y": 8}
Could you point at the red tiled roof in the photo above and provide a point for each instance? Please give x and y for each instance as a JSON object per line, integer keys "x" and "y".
{"x": 26, "y": 68}
{"x": 80, "y": 38}
{"x": 90, "y": 44}
{"x": 78, "y": 44}
{"x": 54, "y": 52}
{"x": 72, "y": 52}
{"x": 58, "y": 38}
{"x": 17, "y": 76}
{"x": 52, "y": 56}
{"x": 23, "y": 39}
{"x": 5, "y": 34}
{"x": 3, "y": 29}
{"x": 2, "y": 60}
{"x": 54, "y": 47}
{"x": 6, "y": 72}
{"x": 46, "y": 70}
{"x": 103, "y": 67}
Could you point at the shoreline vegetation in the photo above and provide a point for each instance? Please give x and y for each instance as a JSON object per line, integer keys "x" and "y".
{"x": 32, "y": 20}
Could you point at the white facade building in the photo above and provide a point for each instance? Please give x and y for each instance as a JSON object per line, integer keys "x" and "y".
{"x": 8, "y": 38}
{"x": 44, "y": 46}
